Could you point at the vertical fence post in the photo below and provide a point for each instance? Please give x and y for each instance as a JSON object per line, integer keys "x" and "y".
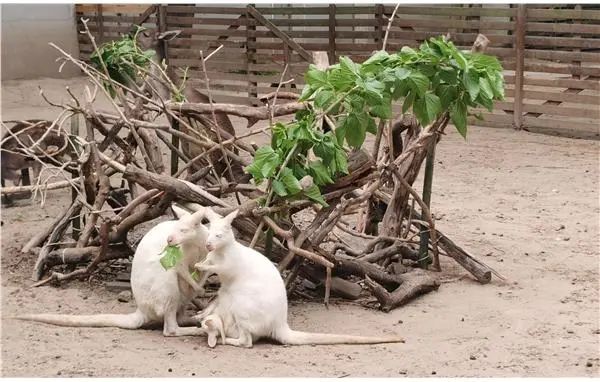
{"x": 331, "y": 51}
{"x": 251, "y": 57}
{"x": 379, "y": 27}
{"x": 100, "y": 23}
{"x": 520, "y": 26}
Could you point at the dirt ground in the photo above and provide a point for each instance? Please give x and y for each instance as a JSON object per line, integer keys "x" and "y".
{"x": 526, "y": 204}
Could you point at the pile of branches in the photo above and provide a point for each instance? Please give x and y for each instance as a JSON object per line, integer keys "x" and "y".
{"x": 307, "y": 239}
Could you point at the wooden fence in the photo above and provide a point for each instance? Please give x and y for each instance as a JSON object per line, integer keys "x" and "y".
{"x": 551, "y": 53}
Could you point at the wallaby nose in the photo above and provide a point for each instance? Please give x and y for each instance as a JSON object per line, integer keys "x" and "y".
{"x": 210, "y": 246}
{"x": 170, "y": 240}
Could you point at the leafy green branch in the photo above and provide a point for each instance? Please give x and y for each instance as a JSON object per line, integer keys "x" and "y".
{"x": 428, "y": 82}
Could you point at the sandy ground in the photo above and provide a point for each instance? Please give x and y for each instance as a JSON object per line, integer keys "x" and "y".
{"x": 526, "y": 204}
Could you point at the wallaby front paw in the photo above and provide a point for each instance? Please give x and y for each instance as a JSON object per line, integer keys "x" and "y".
{"x": 201, "y": 266}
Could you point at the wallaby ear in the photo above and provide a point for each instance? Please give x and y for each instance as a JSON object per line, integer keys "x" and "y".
{"x": 199, "y": 215}
{"x": 229, "y": 218}
{"x": 211, "y": 215}
{"x": 168, "y": 35}
{"x": 179, "y": 212}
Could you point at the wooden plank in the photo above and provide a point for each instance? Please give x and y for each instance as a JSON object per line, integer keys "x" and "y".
{"x": 563, "y": 42}
{"x": 279, "y": 33}
{"x": 466, "y": 38}
{"x": 453, "y": 23}
{"x": 556, "y": 110}
{"x": 146, "y": 15}
{"x": 340, "y": 10}
{"x": 99, "y": 24}
{"x": 452, "y": 11}
{"x": 557, "y": 82}
{"x": 557, "y": 96}
{"x": 175, "y": 9}
{"x": 564, "y": 14}
{"x": 230, "y": 21}
{"x": 520, "y": 65}
{"x": 113, "y": 8}
{"x": 564, "y": 56}
{"x": 121, "y": 19}
{"x": 559, "y": 69}
{"x": 331, "y": 38}
{"x": 554, "y": 27}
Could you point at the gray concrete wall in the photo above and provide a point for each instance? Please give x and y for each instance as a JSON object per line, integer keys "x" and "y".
{"x": 26, "y": 31}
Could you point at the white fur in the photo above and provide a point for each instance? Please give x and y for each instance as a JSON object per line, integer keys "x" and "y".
{"x": 160, "y": 295}
{"x": 252, "y": 297}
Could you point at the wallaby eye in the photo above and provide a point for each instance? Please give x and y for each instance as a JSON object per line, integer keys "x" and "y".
{"x": 219, "y": 236}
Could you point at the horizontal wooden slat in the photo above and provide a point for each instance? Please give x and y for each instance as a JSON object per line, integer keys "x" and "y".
{"x": 556, "y": 82}
{"x": 113, "y": 8}
{"x": 563, "y": 14}
{"x": 562, "y": 55}
{"x": 452, "y": 11}
{"x": 451, "y": 23}
{"x": 563, "y": 28}
{"x": 561, "y": 69}
{"x": 592, "y": 113}
{"x": 209, "y": 10}
{"x": 558, "y": 96}
{"x": 570, "y": 42}
{"x": 340, "y": 10}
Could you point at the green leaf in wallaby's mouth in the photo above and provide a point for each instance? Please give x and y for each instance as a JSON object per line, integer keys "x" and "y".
{"x": 171, "y": 256}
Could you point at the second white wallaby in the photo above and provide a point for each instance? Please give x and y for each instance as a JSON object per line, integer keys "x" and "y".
{"x": 252, "y": 300}
{"x": 161, "y": 295}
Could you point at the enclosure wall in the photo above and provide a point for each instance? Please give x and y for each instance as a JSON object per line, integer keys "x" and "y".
{"x": 26, "y": 31}
{"x": 551, "y": 54}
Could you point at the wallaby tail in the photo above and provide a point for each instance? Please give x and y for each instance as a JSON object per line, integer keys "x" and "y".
{"x": 294, "y": 337}
{"x": 125, "y": 321}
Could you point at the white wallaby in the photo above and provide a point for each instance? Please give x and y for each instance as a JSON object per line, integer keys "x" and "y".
{"x": 252, "y": 295}
{"x": 161, "y": 295}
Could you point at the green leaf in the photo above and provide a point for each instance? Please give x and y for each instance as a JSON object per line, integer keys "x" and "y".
{"x": 292, "y": 185}
{"x": 419, "y": 83}
{"x": 315, "y": 77}
{"x": 313, "y": 193}
{"x": 485, "y": 62}
{"x": 324, "y": 99}
{"x": 355, "y": 131}
{"x": 384, "y": 110}
{"x": 341, "y": 161}
{"x": 447, "y": 95}
{"x": 427, "y": 108}
{"x": 377, "y": 58}
{"x": 340, "y": 134}
{"x": 497, "y": 81}
{"x": 458, "y": 115}
{"x": 485, "y": 89}
{"x": 485, "y": 102}
{"x": 342, "y": 78}
{"x": 171, "y": 256}
{"x": 307, "y": 92}
{"x": 460, "y": 59}
{"x": 278, "y": 188}
{"x": 449, "y": 76}
{"x": 319, "y": 173}
{"x": 471, "y": 83}
{"x": 348, "y": 65}
{"x": 325, "y": 148}
{"x": 266, "y": 160}
{"x": 371, "y": 126}
{"x": 402, "y": 73}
